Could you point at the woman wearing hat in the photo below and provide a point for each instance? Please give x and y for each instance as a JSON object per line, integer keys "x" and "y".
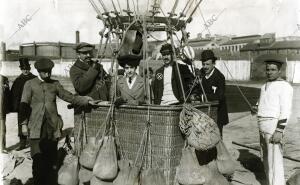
{"x": 16, "y": 91}
{"x": 130, "y": 87}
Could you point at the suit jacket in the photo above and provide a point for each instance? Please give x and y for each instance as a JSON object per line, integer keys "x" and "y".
{"x": 214, "y": 88}
{"x": 87, "y": 81}
{"x": 136, "y": 95}
{"x": 17, "y": 90}
{"x": 158, "y": 82}
{"x": 39, "y": 100}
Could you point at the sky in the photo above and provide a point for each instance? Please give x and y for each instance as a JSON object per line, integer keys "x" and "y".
{"x": 25, "y": 21}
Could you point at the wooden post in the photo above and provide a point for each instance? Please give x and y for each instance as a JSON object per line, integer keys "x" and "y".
{"x": 59, "y": 50}
{"x": 3, "y": 51}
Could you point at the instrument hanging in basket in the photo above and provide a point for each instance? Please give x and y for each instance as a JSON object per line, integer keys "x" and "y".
{"x": 200, "y": 130}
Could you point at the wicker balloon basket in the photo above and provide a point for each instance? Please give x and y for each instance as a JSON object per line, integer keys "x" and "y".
{"x": 166, "y": 138}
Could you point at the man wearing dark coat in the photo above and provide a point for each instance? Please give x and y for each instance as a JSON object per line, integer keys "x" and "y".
{"x": 16, "y": 92}
{"x": 213, "y": 82}
{"x": 166, "y": 84}
{"x": 41, "y": 121}
{"x": 88, "y": 76}
{"x": 4, "y": 109}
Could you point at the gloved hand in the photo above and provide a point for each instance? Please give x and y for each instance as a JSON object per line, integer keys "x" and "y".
{"x": 119, "y": 101}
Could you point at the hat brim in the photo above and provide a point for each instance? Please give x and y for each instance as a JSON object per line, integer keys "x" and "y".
{"x": 209, "y": 58}
{"x": 132, "y": 60}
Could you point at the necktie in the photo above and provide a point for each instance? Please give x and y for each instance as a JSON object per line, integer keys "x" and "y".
{"x": 129, "y": 80}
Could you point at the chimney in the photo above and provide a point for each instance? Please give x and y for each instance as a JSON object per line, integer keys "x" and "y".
{"x": 77, "y": 37}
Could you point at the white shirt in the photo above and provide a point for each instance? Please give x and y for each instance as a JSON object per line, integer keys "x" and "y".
{"x": 275, "y": 100}
{"x": 132, "y": 81}
{"x": 168, "y": 95}
{"x": 209, "y": 75}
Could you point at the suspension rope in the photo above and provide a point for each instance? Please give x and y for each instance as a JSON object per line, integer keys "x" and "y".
{"x": 236, "y": 84}
{"x": 205, "y": 25}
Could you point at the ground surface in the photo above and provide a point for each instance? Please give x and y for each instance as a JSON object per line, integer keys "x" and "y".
{"x": 242, "y": 129}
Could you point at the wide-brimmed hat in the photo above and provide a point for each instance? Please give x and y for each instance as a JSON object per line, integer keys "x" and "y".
{"x": 131, "y": 60}
{"x": 24, "y": 63}
{"x": 44, "y": 64}
{"x": 208, "y": 55}
{"x": 166, "y": 49}
{"x": 83, "y": 47}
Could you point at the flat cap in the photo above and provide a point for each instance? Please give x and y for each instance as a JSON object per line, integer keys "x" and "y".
{"x": 44, "y": 64}
{"x": 84, "y": 47}
{"x": 268, "y": 61}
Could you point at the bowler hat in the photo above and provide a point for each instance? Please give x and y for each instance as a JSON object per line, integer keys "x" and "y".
{"x": 208, "y": 55}
{"x": 131, "y": 60}
{"x": 44, "y": 64}
{"x": 166, "y": 49}
{"x": 83, "y": 47}
{"x": 24, "y": 63}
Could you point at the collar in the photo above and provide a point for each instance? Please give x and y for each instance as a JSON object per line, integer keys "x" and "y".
{"x": 40, "y": 78}
{"x": 81, "y": 64}
{"x": 211, "y": 73}
{"x": 278, "y": 79}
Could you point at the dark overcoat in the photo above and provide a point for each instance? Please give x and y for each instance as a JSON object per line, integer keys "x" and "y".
{"x": 17, "y": 90}
{"x": 214, "y": 88}
{"x": 4, "y": 96}
{"x": 88, "y": 81}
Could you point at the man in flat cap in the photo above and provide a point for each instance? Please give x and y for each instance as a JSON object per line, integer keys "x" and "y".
{"x": 41, "y": 122}
{"x": 16, "y": 92}
{"x": 213, "y": 82}
{"x": 273, "y": 111}
{"x": 130, "y": 86}
{"x": 88, "y": 76}
{"x": 166, "y": 85}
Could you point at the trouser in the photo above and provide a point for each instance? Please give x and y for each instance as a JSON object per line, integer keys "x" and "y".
{"x": 44, "y": 155}
{"x": 20, "y": 134}
{"x": 2, "y": 132}
{"x": 271, "y": 153}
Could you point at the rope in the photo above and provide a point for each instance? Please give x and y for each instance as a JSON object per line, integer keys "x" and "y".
{"x": 177, "y": 66}
{"x": 236, "y": 84}
{"x": 119, "y": 6}
{"x": 204, "y": 20}
{"x": 140, "y": 146}
{"x": 122, "y": 153}
{"x": 101, "y": 40}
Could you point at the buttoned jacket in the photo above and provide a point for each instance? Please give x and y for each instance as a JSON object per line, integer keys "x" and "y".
{"x": 39, "y": 99}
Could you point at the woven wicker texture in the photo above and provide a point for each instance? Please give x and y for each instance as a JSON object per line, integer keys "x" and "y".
{"x": 166, "y": 138}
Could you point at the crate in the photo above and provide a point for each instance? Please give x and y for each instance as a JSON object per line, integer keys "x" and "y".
{"x": 166, "y": 138}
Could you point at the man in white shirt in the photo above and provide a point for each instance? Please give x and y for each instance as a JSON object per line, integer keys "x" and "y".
{"x": 273, "y": 111}
{"x": 166, "y": 85}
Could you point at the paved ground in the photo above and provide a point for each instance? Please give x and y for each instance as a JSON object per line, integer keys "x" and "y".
{"x": 242, "y": 129}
